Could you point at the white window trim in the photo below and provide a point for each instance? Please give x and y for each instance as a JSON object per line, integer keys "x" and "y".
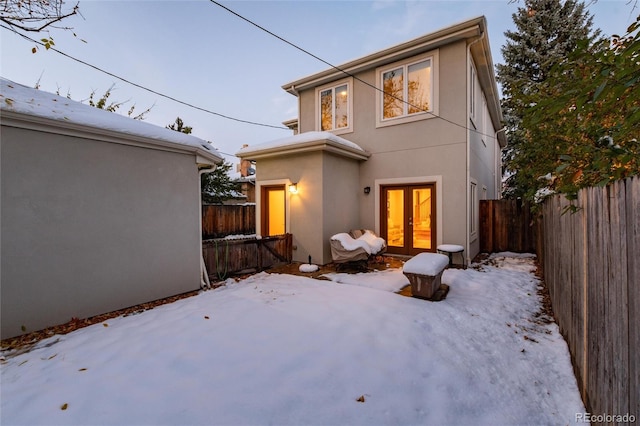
{"x": 473, "y": 210}
{"x": 436, "y": 179}
{"x": 349, "y": 82}
{"x": 435, "y": 92}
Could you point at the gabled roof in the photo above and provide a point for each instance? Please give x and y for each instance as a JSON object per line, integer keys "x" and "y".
{"x": 22, "y": 106}
{"x": 305, "y": 142}
{"x": 470, "y": 30}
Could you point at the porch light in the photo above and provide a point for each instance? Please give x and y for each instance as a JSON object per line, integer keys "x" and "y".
{"x": 367, "y": 189}
{"x": 293, "y": 188}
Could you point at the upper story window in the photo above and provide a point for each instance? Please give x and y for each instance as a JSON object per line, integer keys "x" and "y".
{"x": 334, "y": 107}
{"x": 409, "y": 90}
{"x": 405, "y": 96}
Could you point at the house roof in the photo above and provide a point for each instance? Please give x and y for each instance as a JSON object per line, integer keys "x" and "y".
{"x": 22, "y": 106}
{"x": 305, "y": 142}
{"x": 469, "y": 30}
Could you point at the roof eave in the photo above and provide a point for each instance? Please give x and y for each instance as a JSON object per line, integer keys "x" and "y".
{"x": 48, "y": 125}
{"x": 324, "y": 145}
{"x": 461, "y": 31}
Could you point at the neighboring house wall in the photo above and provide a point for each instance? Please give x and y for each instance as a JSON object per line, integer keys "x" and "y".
{"x": 90, "y": 227}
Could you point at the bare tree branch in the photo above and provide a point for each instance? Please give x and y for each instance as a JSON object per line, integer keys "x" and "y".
{"x": 34, "y": 15}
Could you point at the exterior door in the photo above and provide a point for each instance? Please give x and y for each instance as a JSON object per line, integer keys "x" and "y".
{"x": 408, "y": 218}
{"x": 273, "y": 210}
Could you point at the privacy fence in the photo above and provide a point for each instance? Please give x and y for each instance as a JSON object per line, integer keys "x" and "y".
{"x": 230, "y": 246}
{"x": 506, "y": 225}
{"x": 221, "y": 220}
{"x": 225, "y": 257}
{"x": 591, "y": 263}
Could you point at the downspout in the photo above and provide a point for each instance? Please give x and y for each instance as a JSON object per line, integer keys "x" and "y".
{"x": 205, "y": 284}
{"x": 498, "y": 182}
{"x": 468, "y": 179}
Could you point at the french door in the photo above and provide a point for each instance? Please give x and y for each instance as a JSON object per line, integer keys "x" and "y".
{"x": 408, "y": 218}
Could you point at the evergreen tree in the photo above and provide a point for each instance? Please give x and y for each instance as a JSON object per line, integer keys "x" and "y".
{"x": 546, "y": 32}
{"x": 179, "y": 126}
{"x": 217, "y": 186}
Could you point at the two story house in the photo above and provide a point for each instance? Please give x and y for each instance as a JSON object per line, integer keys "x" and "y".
{"x": 404, "y": 141}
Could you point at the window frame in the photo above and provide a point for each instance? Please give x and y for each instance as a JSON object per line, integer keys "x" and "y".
{"x": 433, "y": 56}
{"x": 473, "y": 210}
{"x": 318, "y": 103}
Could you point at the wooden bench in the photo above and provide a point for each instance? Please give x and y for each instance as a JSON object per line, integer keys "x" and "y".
{"x": 424, "y": 272}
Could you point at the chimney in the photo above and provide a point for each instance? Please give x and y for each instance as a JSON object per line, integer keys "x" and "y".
{"x": 245, "y": 165}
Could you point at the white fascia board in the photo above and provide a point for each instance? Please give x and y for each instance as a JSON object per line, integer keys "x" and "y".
{"x": 303, "y": 147}
{"x": 465, "y": 30}
{"x": 46, "y": 125}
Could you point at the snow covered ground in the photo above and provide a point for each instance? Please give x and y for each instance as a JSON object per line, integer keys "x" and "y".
{"x": 285, "y": 350}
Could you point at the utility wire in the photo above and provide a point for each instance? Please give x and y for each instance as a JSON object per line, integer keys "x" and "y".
{"x": 345, "y": 71}
{"x": 143, "y": 87}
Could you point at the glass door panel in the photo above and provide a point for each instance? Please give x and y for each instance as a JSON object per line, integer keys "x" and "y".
{"x": 421, "y": 218}
{"x": 408, "y": 218}
{"x": 395, "y": 217}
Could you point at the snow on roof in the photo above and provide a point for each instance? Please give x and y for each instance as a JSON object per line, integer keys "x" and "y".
{"x": 299, "y": 141}
{"x": 38, "y": 103}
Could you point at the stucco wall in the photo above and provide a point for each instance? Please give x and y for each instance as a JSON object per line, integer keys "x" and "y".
{"x": 89, "y": 227}
{"x": 324, "y": 205}
{"x": 430, "y": 147}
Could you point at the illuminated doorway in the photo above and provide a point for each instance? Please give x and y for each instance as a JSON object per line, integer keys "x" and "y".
{"x": 273, "y": 217}
{"x": 408, "y": 218}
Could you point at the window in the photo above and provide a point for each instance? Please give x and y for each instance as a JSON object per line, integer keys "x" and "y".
{"x": 408, "y": 90}
{"x": 473, "y": 210}
{"x": 406, "y": 96}
{"x": 334, "y": 107}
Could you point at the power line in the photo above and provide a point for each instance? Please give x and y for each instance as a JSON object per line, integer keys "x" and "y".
{"x": 347, "y": 72}
{"x": 143, "y": 87}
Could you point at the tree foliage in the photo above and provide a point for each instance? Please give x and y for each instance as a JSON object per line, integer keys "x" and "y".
{"x": 36, "y": 16}
{"x": 104, "y": 103}
{"x": 585, "y": 118}
{"x": 179, "y": 126}
{"x": 546, "y": 32}
{"x": 217, "y": 186}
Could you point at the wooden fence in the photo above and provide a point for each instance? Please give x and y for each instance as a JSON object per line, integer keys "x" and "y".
{"x": 222, "y": 220}
{"x": 591, "y": 262}
{"x": 506, "y": 225}
{"x": 224, "y": 257}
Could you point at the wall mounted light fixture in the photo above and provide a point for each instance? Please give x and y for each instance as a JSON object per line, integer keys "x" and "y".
{"x": 367, "y": 189}
{"x": 293, "y": 188}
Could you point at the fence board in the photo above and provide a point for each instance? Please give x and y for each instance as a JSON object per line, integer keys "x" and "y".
{"x": 591, "y": 268}
{"x": 506, "y": 226}
{"x": 224, "y": 257}
{"x": 222, "y": 220}
{"x": 633, "y": 291}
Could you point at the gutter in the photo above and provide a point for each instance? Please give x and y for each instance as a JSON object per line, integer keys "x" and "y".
{"x": 205, "y": 284}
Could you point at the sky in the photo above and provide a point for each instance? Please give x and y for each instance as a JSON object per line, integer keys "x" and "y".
{"x": 283, "y": 349}
{"x": 199, "y": 53}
